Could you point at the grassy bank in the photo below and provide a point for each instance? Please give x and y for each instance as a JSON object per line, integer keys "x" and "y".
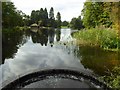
{"x": 113, "y": 80}
{"x": 105, "y": 38}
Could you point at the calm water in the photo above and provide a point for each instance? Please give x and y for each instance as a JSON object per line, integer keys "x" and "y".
{"x": 27, "y": 51}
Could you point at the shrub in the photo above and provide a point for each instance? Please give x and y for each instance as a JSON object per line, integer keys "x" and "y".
{"x": 106, "y": 38}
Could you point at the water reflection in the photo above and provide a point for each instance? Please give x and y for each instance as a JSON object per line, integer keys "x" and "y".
{"x": 45, "y": 36}
{"x": 58, "y": 33}
{"x": 26, "y": 50}
{"x": 98, "y": 60}
{"x": 11, "y": 41}
{"x": 40, "y": 37}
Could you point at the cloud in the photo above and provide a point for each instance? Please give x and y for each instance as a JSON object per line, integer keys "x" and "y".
{"x": 67, "y": 8}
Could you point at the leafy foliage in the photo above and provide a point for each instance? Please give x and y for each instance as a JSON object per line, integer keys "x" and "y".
{"x": 76, "y": 23}
{"x": 65, "y": 23}
{"x": 58, "y": 21}
{"x": 101, "y": 19}
{"x": 10, "y": 16}
{"x": 95, "y": 15}
{"x": 101, "y": 13}
{"x": 13, "y": 17}
{"x": 51, "y": 18}
{"x": 42, "y": 18}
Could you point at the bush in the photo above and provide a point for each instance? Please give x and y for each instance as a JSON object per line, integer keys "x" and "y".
{"x": 106, "y": 38}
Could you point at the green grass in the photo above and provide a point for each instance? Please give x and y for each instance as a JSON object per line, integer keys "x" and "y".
{"x": 64, "y": 27}
{"x": 107, "y": 38}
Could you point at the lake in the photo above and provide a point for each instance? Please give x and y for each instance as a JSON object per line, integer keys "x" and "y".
{"x": 28, "y": 51}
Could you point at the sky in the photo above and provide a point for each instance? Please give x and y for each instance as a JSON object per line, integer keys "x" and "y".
{"x": 67, "y": 8}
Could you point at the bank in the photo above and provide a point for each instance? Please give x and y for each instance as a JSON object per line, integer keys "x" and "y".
{"x": 107, "y": 39}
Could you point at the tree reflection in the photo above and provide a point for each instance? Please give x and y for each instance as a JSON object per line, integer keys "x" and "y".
{"x": 44, "y": 36}
{"x": 58, "y": 33}
{"x": 51, "y": 36}
{"x": 41, "y": 36}
{"x": 11, "y": 41}
{"x": 97, "y": 59}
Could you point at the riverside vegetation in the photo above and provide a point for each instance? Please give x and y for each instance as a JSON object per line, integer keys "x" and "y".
{"x": 100, "y": 26}
{"x": 101, "y": 22}
{"x": 105, "y": 38}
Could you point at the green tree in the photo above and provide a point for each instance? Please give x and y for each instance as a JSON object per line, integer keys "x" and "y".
{"x": 33, "y": 17}
{"x": 76, "y": 23}
{"x": 41, "y": 17}
{"x": 51, "y": 14}
{"x": 51, "y": 18}
{"x": 58, "y": 20}
{"x": 10, "y": 16}
{"x": 65, "y": 23}
{"x": 37, "y": 13}
{"x": 88, "y": 15}
{"x": 26, "y": 20}
{"x": 45, "y": 17}
{"x": 115, "y": 14}
{"x": 101, "y": 13}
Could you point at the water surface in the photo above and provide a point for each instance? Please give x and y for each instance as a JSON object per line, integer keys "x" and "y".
{"x": 28, "y": 51}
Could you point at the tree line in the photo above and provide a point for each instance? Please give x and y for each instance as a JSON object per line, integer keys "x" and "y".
{"x": 98, "y": 14}
{"x": 42, "y": 18}
{"x": 101, "y": 23}
{"x": 11, "y": 17}
{"x": 94, "y": 14}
